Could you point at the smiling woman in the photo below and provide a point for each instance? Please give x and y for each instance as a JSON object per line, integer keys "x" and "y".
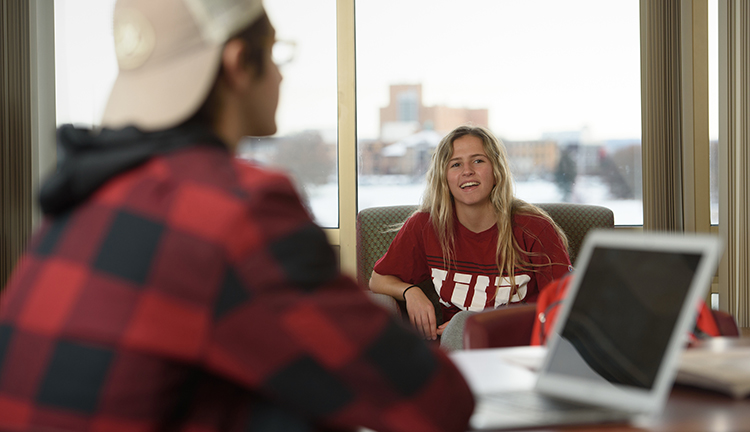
{"x": 470, "y": 180}
{"x": 480, "y": 246}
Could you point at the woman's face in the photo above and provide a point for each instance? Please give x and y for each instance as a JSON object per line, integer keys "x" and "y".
{"x": 470, "y": 176}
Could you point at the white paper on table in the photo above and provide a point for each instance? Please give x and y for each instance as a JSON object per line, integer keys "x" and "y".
{"x": 499, "y": 369}
{"x": 725, "y": 371}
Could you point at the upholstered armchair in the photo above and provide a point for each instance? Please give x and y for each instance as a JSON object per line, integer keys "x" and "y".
{"x": 377, "y": 226}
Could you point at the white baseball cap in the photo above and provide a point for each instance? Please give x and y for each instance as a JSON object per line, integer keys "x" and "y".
{"x": 168, "y": 53}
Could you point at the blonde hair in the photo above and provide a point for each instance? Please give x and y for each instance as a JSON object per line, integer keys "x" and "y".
{"x": 438, "y": 202}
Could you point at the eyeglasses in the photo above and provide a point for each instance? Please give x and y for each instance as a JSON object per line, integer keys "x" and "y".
{"x": 283, "y": 52}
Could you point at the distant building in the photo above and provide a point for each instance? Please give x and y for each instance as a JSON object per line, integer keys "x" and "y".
{"x": 586, "y": 151}
{"x": 410, "y": 132}
{"x": 405, "y": 115}
{"x": 532, "y": 158}
{"x": 370, "y": 159}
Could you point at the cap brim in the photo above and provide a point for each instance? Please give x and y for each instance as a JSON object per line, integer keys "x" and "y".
{"x": 165, "y": 96}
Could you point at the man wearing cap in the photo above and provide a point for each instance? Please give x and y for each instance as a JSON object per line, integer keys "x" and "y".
{"x": 174, "y": 287}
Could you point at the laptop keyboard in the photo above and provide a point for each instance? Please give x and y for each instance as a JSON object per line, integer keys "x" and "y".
{"x": 522, "y": 409}
{"x": 532, "y": 401}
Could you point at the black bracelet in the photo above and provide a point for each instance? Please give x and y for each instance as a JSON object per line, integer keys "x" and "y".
{"x": 403, "y": 294}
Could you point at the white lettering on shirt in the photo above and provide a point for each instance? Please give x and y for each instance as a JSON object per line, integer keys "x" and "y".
{"x": 460, "y": 289}
{"x": 480, "y": 293}
{"x": 503, "y": 292}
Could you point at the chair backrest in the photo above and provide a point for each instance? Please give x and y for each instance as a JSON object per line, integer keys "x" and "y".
{"x": 377, "y": 226}
{"x": 376, "y": 229}
{"x": 578, "y": 219}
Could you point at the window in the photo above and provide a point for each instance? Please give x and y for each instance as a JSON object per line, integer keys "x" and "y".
{"x": 713, "y": 106}
{"x": 306, "y": 143}
{"x": 549, "y": 52}
{"x": 85, "y": 62}
{"x": 558, "y": 82}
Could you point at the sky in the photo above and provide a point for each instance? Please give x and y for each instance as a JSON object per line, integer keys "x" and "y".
{"x": 538, "y": 65}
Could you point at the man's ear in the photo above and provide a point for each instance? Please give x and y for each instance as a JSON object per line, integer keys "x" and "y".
{"x": 236, "y": 71}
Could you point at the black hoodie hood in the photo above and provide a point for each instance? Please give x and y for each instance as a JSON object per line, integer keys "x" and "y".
{"x": 87, "y": 159}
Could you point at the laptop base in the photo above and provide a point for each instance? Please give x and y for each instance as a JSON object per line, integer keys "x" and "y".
{"x": 526, "y": 409}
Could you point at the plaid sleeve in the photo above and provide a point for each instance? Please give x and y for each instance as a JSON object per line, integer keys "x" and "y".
{"x": 288, "y": 325}
{"x": 191, "y": 273}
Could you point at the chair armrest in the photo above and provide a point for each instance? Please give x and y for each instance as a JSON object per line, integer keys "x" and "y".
{"x": 726, "y": 323}
{"x": 398, "y": 307}
{"x": 386, "y": 301}
{"x": 506, "y": 327}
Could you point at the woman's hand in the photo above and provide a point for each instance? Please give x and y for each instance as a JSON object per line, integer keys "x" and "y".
{"x": 420, "y": 309}
{"x": 441, "y": 328}
{"x": 421, "y": 313}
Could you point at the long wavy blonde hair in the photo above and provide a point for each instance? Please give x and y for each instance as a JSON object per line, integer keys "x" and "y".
{"x": 438, "y": 201}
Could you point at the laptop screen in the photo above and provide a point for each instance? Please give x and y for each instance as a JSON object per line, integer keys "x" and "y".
{"x": 623, "y": 315}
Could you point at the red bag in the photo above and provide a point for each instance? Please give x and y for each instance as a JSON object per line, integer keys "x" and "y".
{"x": 553, "y": 294}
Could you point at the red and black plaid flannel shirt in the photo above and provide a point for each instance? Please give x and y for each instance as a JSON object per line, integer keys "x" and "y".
{"x": 194, "y": 292}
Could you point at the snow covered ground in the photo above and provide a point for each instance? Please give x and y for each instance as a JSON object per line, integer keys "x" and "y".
{"x": 385, "y": 191}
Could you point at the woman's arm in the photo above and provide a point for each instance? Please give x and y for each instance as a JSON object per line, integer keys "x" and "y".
{"x": 420, "y": 309}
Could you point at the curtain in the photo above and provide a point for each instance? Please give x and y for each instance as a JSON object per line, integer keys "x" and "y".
{"x": 661, "y": 107}
{"x": 15, "y": 134}
{"x": 734, "y": 154}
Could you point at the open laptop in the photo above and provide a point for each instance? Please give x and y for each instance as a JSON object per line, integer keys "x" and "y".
{"x": 615, "y": 346}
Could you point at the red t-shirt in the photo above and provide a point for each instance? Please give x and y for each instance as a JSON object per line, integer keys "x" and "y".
{"x": 472, "y": 281}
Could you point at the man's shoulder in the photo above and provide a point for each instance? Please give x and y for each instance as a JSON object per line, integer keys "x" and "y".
{"x": 199, "y": 186}
{"x": 215, "y": 168}
{"x": 251, "y": 174}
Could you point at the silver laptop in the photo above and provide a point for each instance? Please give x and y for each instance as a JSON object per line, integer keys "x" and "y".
{"x": 615, "y": 346}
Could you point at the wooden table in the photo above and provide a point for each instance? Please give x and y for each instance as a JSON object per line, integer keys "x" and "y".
{"x": 691, "y": 409}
